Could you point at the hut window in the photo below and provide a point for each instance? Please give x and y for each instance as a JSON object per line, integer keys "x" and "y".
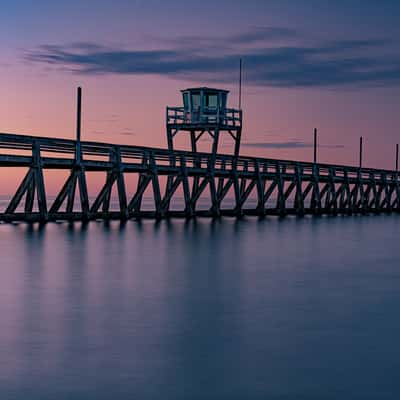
{"x": 186, "y": 101}
{"x": 211, "y": 100}
{"x": 196, "y": 100}
{"x": 223, "y": 100}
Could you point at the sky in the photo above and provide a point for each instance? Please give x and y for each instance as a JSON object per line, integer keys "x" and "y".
{"x": 317, "y": 63}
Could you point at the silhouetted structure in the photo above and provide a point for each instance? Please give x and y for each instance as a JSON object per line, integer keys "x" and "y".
{"x": 260, "y": 186}
{"x": 204, "y": 111}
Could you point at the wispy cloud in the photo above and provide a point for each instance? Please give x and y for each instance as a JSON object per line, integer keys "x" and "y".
{"x": 110, "y": 119}
{"x": 127, "y": 132}
{"x": 249, "y": 37}
{"x": 124, "y": 132}
{"x": 262, "y": 33}
{"x": 290, "y": 144}
{"x": 271, "y": 56}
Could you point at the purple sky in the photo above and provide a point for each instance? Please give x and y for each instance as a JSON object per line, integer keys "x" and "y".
{"x": 330, "y": 65}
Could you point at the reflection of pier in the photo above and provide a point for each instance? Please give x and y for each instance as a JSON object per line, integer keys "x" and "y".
{"x": 276, "y": 187}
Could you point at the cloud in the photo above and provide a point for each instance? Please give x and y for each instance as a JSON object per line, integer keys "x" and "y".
{"x": 248, "y": 37}
{"x": 124, "y": 132}
{"x": 290, "y": 144}
{"x": 263, "y": 33}
{"x": 111, "y": 118}
{"x": 270, "y": 59}
{"x": 127, "y": 132}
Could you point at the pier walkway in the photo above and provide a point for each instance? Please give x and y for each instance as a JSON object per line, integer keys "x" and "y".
{"x": 278, "y": 187}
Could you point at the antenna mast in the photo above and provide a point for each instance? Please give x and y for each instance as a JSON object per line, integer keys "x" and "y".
{"x": 240, "y": 85}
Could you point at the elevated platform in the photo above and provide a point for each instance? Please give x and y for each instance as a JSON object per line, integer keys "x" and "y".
{"x": 204, "y": 111}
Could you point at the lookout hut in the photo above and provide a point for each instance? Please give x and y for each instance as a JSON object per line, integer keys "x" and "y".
{"x": 204, "y": 111}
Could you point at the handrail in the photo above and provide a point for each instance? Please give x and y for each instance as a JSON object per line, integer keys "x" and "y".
{"x": 206, "y": 115}
{"x": 89, "y": 148}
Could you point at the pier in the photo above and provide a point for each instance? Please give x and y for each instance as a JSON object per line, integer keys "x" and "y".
{"x": 277, "y": 187}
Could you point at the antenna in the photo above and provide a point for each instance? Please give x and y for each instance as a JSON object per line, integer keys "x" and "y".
{"x": 240, "y": 84}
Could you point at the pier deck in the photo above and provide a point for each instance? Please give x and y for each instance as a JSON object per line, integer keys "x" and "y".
{"x": 277, "y": 187}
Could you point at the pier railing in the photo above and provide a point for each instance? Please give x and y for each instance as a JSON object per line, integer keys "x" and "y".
{"x": 228, "y": 117}
{"x": 257, "y": 186}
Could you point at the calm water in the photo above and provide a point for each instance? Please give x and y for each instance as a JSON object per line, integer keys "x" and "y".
{"x": 293, "y": 309}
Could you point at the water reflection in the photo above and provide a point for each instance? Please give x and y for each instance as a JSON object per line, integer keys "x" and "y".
{"x": 200, "y": 309}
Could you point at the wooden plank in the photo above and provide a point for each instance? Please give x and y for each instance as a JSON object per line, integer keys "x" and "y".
{"x": 165, "y": 202}
{"x": 103, "y": 198}
{"x": 64, "y": 192}
{"x": 71, "y": 192}
{"x": 136, "y": 202}
{"x": 30, "y": 197}
{"x": 22, "y": 188}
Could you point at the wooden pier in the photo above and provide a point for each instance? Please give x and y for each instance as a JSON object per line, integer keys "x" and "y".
{"x": 253, "y": 186}
{"x": 279, "y": 187}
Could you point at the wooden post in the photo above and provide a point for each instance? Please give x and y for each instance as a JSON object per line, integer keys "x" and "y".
{"x": 237, "y": 142}
{"x": 193, "y": 141}
{"x": 315, "y": 145}
{"x": 156, "y": 185}
{"x": 123, "y": 202}
{"x": 361, "y": 152}
{"x": 214, "y": 150}
{"x": 39, "y": 181}
{"x": 260, "y": 190}
{"x": 78, "y": 124}
{"x": 170, "y": 139}
{"x": 397, "y": 186}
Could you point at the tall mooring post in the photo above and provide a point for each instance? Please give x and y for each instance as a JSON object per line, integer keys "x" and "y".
{"x": 240, "y": 84}
{"x": 78, "y": 155}
{"x": 204, "y": 111}
{"x": 77, "y": 176}
{"x": 315, "y": 145}
{"x": 397, "y": 158}
{"x": 361, "y": 152}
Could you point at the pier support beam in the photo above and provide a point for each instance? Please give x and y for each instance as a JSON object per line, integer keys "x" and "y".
{"x": 315, "y": 188}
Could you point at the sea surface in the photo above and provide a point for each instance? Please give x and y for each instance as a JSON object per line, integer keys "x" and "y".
{"x": 294, "y": 308}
